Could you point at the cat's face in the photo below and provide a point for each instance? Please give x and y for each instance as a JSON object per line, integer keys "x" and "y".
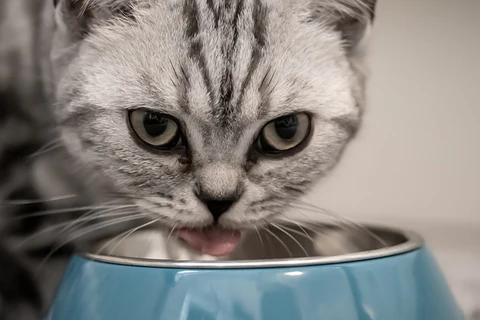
{"x": 212, "y": 113}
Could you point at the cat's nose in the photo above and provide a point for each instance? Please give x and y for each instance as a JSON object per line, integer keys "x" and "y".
{"x": 218, "y": 207}
{"x": 218, "y": 186}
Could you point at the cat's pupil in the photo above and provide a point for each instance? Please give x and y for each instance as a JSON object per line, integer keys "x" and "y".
{"x": 286, "y": 127}
{"x": 154, "y": 124}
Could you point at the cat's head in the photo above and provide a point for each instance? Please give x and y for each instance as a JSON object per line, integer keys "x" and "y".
{"x": 210, "y": 111}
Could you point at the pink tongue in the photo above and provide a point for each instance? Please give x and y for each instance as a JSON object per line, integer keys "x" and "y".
{"x": 214, "y": 242}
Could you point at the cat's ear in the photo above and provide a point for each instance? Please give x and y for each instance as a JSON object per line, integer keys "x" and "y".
{"x": 77, "y": 17}
{"x": 352, "y": 18}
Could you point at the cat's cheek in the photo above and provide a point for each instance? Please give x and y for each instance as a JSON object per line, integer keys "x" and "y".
{"x": 245, "y": 214}
{"x": 253, "y": 192}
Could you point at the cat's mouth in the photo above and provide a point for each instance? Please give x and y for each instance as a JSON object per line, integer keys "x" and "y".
{"x": 211, "y": 241}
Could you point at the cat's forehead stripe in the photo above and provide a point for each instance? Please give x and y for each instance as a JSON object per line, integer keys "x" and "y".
{"x": 259, "y": 31}
{"x": 225, "y": 101}
{"x": 227, "y": 86}
{"x": 191, "y": 14}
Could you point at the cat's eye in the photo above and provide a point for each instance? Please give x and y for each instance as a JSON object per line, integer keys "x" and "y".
{"x": 156, "y": 130}
{"x": 284, "y": 134}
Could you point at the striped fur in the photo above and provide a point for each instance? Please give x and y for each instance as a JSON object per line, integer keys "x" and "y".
{"x": 223, "y": 68}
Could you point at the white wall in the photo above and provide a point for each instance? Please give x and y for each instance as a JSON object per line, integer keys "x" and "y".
{"x": 418, "y": 154}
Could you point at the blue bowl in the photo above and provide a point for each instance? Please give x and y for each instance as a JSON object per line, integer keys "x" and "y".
{"x": 399, "y": 282}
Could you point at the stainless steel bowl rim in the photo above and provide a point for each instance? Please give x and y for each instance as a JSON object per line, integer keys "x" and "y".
{"x": 414, "y": 241}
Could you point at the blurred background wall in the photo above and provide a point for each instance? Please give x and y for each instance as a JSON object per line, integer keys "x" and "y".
{"x": 416, "y": 161}
{"x": 418, "y": 153}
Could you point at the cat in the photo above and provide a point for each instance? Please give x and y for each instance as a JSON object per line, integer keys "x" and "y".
{"x": 199, "y": 119}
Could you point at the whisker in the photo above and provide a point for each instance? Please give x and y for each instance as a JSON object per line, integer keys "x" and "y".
{"x": 259, "y": 236}
{"x": 313, "y": 227}
{"x": 279, "y": 240}
{"x": 69, "y": 210}
{"x": 321, "y": 235}
{"x": 60, "y": 225}
{"x": 87, "y": 231}
{"x": 44, "y": 151}
{"x": 134, "y": 197}
{"x": 170, "y": 234}
{"x": 303, "y": 234}
{"x": 344, "y": 221}
{"x": 282, "y": 203}
{"x": 35, "y": 235}
{"x": 122, "y": 195}
{"x": 130, "y": 233}
{"x": 107, "y": 223}
{"x": 35, "y": 201}
{"x": 269, "y": 240}
{"x": 100, "y": 250}
{"x": 291, "y": 237}
{"x": 319, "y": 210}
{"x": 349, "y": 223}
{"x": 103, "y": 213}
{"x": 52, "y": 145}
{"x": 303, "y": 230}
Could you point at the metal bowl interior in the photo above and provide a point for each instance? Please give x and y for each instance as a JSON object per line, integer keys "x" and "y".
{"x": 296, "y": 246}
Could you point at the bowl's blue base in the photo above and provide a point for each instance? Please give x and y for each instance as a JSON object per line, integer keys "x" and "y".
{"x": 407, "y": 286}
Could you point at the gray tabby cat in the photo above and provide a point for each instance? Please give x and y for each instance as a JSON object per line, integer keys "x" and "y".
{"x": 199, "y": 118}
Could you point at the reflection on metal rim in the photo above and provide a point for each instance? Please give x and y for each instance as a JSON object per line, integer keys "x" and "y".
{"x": 413, "y": 241}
